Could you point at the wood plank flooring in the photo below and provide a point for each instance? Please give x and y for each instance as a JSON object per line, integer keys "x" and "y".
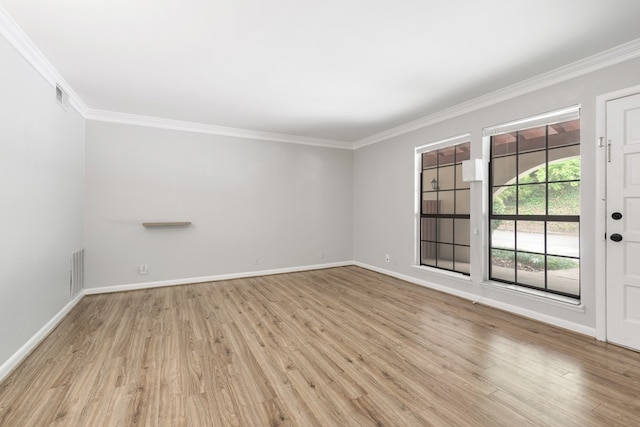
{"x": 336, "y": 347}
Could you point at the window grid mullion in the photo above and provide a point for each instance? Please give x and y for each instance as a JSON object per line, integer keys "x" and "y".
{"x": 515, "y": 222}
{"x": 438, "y": 215}
{"x": 546, "y": 206}
{"x": 455, "y": 209}
{"x": 546, "y": 219}
{"x": 437, "y": 220}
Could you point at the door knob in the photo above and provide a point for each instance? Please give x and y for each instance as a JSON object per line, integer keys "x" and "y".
{"x": 616, "y": 215}
{"x": 616, "y": 237}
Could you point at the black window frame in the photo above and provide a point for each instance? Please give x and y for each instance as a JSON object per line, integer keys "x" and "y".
{"x": 433, "y": 236}
{"x": 543, "y": 218}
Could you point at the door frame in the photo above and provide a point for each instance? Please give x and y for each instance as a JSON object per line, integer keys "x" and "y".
{"x": 601, "y": 206}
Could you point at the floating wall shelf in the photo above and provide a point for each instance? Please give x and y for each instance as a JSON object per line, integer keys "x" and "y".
{"x": 167, "y": 224}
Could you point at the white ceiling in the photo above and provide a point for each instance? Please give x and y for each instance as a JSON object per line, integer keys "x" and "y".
{"x": 335, "y": 69}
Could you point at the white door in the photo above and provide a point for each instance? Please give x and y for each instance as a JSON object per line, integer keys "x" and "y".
{"x": 623, "y": 221}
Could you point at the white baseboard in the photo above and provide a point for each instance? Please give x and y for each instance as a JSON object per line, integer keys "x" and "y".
{"x": 148, "y": 285}
{"x": 7, "y": 367}
{"x": 466, "y": 295}
{"x": 534, "y": 315}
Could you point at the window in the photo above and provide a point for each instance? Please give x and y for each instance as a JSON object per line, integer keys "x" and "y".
{"x": 534, "y": 219}
{"x": 444, "y": 208}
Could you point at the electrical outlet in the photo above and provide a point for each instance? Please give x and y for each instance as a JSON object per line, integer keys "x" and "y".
{"x": 387, "y": 258}
{"x": 257, "y": 260}
{"x": 321, "y": 255}
{"x": 143, "y": 269}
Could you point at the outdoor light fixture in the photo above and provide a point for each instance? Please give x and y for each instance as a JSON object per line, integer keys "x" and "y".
{"x": 434, "y": 184}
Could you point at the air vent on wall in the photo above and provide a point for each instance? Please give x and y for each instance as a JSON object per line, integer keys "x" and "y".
{"x": 62, "y": 97}
{"x": 76, "y": 283}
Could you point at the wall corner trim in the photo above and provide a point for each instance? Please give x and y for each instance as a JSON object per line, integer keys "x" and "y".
{"x": 10, "y": 364}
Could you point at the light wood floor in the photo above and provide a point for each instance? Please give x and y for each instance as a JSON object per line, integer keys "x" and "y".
{"x": 337, "y": 347}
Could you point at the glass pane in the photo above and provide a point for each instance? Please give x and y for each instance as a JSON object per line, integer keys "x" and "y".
{"x": 462, "y": 232}
{"x": 503, "y": 144}
{"x": 567, "y": 169}
{"x": 504, "y": 200}
{"x": 429, "y": 176}
{"x": 563, "y": 238}
{"x": 429, "y": 159}
{"x": 459, "y": 182}
{"x": 564, "y": 198}
{"x": 502, "y": 265}
{"x": 446, "y": 156}
{"x": 529, "y": 163}
{"x": 563, "y": 275}
{"x": 445, "y": 230}
{"x": 532, "y": 139}
{"x": 530, "y": 236}
{"x": 531, "y": 269}
{"x": 462, "y": 202}
{"x": 428, "y": 229}
{"x": 564, "y": 153}
{"x": 462, "y": 259}
{"x": 532, "y": 199}
{"x": 446, "y": 178}
{"x": 428, "y": 253}
{"x": 564, "y": 133}
{"x": 503, "y": 234}
{"x": 445, "y": 256}
{"x": 538, "y": 175}
{"x": 429, "y": 203}
{"x": 463, "y": 152}
{"x": 504, "y": 170}
{"x": 446, "y": 202}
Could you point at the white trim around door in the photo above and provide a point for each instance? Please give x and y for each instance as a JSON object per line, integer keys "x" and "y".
{"x": 601, "y": 206}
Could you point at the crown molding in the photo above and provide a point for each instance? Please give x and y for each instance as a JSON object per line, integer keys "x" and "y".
{"x": 155, "y": 122}
{"x": 12, "y": 32}
{"x": 599, "y": 61}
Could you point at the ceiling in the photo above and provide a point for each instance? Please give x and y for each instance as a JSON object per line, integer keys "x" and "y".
{"x": 341, "y": 70}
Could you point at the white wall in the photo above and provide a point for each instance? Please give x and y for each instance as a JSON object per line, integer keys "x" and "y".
{"x": 247, "y": 199}
{"x": 41, "y": 197}
{"x": 283, "y": 203}
{"x": 384, "y": 192}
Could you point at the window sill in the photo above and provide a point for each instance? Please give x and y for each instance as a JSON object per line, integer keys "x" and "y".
{"x": 547, "y": 297}
{"x": 445, "y": 273}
